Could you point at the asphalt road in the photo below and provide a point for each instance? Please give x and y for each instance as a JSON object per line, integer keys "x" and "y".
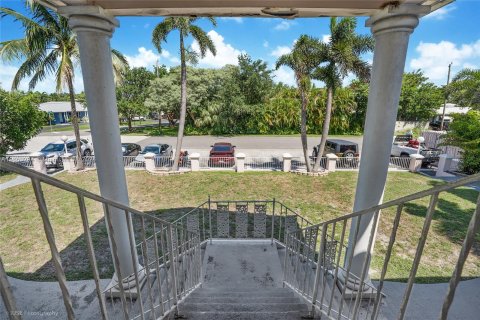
{"x": 250, "y": 145}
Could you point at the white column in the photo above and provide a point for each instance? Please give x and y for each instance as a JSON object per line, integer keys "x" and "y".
{"x": 331, "y": 162}
{"x": 391, "y": 29}
{"x": 38, "y": 162}
{"x": 94, "y": 29}
{"x": 444, "y": 163}
{"x": 195, "y": 161}
{"x": 240, "y": 162}
{"x": 150, "y": 161}
{"x": 415, "y": 162}
{"x": 287, "y": 162}
{"x": 68, "y": 162}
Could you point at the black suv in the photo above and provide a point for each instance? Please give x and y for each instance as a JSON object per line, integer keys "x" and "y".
{"x": 339, "y": 147}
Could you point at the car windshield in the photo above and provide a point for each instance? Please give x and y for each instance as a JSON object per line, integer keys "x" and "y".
{"x": 152, "y": 149}
{"x": 53, "y": 147}
{"x": 221, "y": 148}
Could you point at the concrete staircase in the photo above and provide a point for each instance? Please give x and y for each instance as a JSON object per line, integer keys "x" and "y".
{"x": 242, "y": 280}
{"x": 243, "y": 304}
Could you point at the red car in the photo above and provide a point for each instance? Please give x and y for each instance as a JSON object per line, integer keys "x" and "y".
{"x": 222, "y": 154}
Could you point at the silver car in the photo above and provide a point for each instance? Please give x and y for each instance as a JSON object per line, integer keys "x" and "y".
{"x": 53, "y": 151}
{"x": 160, "y": 150}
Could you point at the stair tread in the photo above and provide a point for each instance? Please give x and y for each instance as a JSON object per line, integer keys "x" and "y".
{"x": 244, "y": 307}
{"x": 257, "y": 315}
{"x": 266, "y": 299}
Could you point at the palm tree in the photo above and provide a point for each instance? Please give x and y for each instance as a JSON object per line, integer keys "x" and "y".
{"x": 185, "y": 27}
{"x": 303, "y": 59}
{"x": 341, "y": 56}
{"x": 465, "y": 88}
{"x": 49, "y": 47}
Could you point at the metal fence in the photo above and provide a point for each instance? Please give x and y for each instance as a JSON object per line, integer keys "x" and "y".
{"x": 299, "y": 164}
{"x": 399, "y": 163}
{"x": 264, "y": 163}
{"x": 318, "y": 259}
{"x": 168, "y": 264}
{"x": 348, "y": 163}
{"x": 25, "y": 161}
{"x": 247, "y": 219}
{"x": 217, "y": 163}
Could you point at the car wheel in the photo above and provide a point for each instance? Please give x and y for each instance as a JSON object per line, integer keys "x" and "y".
{"x": 87, "y": 153}
{"x": 59, "y": 162}
{"x": 349, "y": 154}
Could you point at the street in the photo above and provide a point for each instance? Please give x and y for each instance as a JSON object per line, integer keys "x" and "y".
{"x": 250, "y": 145}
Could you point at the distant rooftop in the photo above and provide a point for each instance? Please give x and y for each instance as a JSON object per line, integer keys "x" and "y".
{"x": 452, "y": 108}
{"x": 60, "y": 106}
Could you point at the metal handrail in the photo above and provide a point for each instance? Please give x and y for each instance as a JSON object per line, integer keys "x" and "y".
{"x": 176, "y": 257}
{"x": 329, "y": 270}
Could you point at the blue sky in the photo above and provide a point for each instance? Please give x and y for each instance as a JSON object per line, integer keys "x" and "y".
{"x": 451, "y": 34}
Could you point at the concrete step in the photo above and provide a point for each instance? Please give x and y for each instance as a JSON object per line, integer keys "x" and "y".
{"x": 243, "y": 307}
{"x": 243, "y": 299}
{"x": 290, "y": 315}
{"x": 223, "y": 292}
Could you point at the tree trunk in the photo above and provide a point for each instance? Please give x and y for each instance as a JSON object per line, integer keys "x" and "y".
{"x": 159, "y": 123}
{"x": 326, "y": 126}
{"x": 76, "y": 128}
{"x": 183, "y": 105}
{"x": 303, "y": 128}
{"x": 129, "y": 121}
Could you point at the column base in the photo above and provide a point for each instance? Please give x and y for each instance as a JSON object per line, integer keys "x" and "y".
{"x": 129, "y": 287}
{"x": 352, "y": 287}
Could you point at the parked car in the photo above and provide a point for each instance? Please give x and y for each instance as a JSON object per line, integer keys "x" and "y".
{"x": 53, "y": 151}
{"x": 400, "y": 148}
{"x": 222, "y": 154}
{"x": 131, "y": 149}
{"x": 138, "y": 118}
{"x": 436, "y": 122}
{"x": 160, "y": 150}
{"x": 339, "y": 147}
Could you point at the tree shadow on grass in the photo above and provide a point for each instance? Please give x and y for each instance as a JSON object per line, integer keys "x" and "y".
{"x": 75, "y": 258}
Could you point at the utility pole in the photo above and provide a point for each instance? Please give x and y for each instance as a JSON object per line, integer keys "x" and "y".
{"x": 446, "y": 95}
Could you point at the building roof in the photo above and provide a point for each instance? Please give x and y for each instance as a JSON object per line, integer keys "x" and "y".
{"x": 238, "y": 8}
{"x": 452, "y": 108}
{"x": 60, "y": 106}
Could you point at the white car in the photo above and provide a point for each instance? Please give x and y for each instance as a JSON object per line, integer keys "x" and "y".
{"x": 138, "y": 118}
{"x": 53, "y": 151}
{"x": 160, "y": 151}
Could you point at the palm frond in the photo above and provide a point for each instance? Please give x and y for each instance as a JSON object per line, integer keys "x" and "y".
{"x": 119, "y": 63}
{"x": 161, "y": 32}
{"x": 11, "y": 50}
{"x": 204, "y": 41}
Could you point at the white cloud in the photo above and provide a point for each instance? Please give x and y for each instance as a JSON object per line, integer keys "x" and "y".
{"x": 280, "y": 50}
{"x": 441, "y": 13}
{"x": 146, "y": 25}
{"x": 326, "y": 38}
{"x": 235, "y": 19}
{"x": 226, "y": 53}
{"x": 284, "y": 25}
{"x": 7, "y": 73}
{"x": 265, "y": 44}
{"x": 147, "y": 58}
{"x": 284, "y": 75}
{"x": 434, "y": 58}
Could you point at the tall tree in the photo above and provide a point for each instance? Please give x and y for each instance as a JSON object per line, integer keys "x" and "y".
{"x": 303, "y": 59}
{"x": 186, "y": 27}
{"x": 254, "y": 79}
{"x": 340, "y": 56}
{"x": 465, "y": 88}
{"x": 132, "y": 92}
{"x": 49, "y": 47}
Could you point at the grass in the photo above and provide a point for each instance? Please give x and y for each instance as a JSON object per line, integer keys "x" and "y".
{"x": 6, "y": 176}
{"x": 26, "y": 254}
{"x": 69, "y": 127}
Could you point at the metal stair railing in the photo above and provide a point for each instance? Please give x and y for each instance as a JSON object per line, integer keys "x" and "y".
{"x": 318, "y": 260}
{"x": 242, "y": 219}
{"x": 170, "y": 257}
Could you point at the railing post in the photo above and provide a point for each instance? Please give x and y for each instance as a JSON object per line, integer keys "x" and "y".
{"x": 195, "y": 161}
{"x": 150, "y": 162}
{"x": 287, "y": 162}
{"x": 415, "y": 162}
{"x": 7, "y": 295}
{"x": 38, "y": 162}
{"x": 318, "y": 272}
{"x": 210, "y": 218}
{"x": 444, "y": 164}
{"x": 273, "y": 220}
{"x": 331, "y": 165}
{"x": 240, "y": 162}
{"x": 173, "y": 267}
{"x": 68, "y": 161}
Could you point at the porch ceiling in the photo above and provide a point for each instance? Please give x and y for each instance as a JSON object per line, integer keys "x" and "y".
{"x": 253, "y": 8}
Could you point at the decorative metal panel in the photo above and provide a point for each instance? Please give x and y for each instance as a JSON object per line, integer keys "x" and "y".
{"x": 241, "y": 221}
{"x": 291, "y": 223}
{"x": 260, "y": 221}
{"x": 223, "y": 221}
{"x": 330, "y": 253}
{"x": 193, "y": 223}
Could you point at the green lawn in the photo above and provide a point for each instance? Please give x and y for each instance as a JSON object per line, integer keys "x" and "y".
{"x": 6, "y": 176}
{"x": 25, "y": 251}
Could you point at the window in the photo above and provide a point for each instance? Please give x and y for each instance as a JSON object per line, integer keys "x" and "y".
{"x": 52, "y": 147}
{"x": 221, "y": 148}
{"x": 71, "y": 145}
{"x": 153, "y": 149}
